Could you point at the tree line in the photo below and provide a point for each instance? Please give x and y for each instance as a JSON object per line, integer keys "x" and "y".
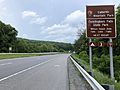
{"x": 30, "y": 46}
{"x": 101, "y": 54}
{"x": 9, "y": 39}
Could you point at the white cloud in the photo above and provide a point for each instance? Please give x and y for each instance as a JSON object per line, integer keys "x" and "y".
{"x": 75, "y": 17}
{"x": 1, "y": 1}
{"x": 23, "y": 36}
{"x": 2, "y": 11}
{"x": 3, "y": 8}
{"x": 60, "y": 32}
{"x": 39, "y": 20}
{"x": 34, "y": 17}
{"x": 29, "y": 14}
{"x": 67, "y": 30}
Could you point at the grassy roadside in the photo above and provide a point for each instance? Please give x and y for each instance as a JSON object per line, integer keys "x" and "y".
{"x": 100, "y": 77}
{"x": 9, "y": 56}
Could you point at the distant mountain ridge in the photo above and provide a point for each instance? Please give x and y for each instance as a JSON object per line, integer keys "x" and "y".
{"x": 27, "y": 45}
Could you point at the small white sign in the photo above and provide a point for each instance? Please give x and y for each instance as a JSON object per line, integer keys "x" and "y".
{"x": 10, "y": 48}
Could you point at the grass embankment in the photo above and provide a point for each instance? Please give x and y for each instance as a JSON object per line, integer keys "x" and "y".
{"x": 99, "y": 76}
{"x": 9, "y": 56}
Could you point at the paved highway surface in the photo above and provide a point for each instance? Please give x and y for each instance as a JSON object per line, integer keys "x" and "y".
{"x": 34, "y": 73}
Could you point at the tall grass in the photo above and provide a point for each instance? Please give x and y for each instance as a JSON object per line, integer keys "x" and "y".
{"x": 9, "y": 56}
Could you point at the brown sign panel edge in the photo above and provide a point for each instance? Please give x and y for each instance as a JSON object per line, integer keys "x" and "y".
{"x": 103, "y": 18}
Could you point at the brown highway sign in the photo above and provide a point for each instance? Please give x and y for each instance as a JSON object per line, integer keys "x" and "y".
{"x": 101, "y": 21}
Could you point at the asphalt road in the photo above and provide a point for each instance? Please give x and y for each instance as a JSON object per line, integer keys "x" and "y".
{"x": 34, "y": 73}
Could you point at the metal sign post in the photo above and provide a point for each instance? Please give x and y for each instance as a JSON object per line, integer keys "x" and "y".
{"x": 111, "y": 61}
{"x": 90, "y": 55}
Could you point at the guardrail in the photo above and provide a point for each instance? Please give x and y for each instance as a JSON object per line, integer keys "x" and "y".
{"x": 93, "y": 83}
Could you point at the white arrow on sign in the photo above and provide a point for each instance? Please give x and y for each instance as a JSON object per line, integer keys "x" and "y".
{"x": 92, "y": 44}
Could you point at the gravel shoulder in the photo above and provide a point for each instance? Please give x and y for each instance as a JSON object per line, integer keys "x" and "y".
{"x": 76, "y": 81}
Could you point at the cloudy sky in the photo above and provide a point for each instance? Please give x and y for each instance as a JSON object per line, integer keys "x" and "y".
{"x": 53, "y": 20}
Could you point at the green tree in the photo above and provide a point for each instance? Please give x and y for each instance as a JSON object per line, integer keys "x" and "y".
{"x": 44, "y": 48}
{"x": 81, "y": 44}
{"x": 7, "y": 37}
{"x": 84, "y": 56}
{"x": 22, "y": 46}
{"x": 104, "y": 64}
{"x": 117, "y": 40}
{"x": 117, "y": 67}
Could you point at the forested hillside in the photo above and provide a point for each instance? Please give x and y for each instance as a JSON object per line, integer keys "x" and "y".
{"x": 101, "y": 54}
{"x": 29, "y": 46}
{"x": 8, "y": 38}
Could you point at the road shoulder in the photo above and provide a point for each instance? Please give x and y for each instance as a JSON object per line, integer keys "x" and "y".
{"x": 76, "y": 81}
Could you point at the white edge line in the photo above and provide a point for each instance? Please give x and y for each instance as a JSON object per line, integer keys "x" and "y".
{"x": 23, "y": 71}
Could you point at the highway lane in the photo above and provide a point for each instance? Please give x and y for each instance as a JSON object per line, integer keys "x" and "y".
{"x": 34, "y": 73}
